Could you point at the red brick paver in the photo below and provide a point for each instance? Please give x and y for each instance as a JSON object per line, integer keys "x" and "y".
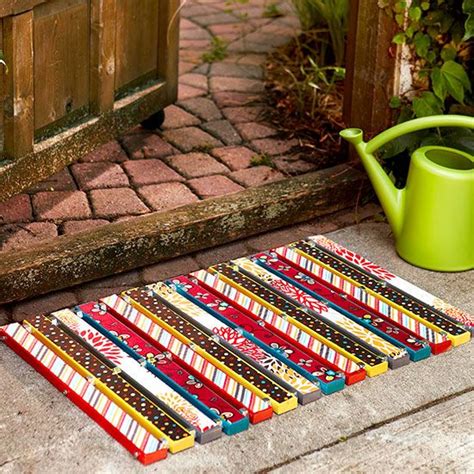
{"x": 190, "y": 138}
{"x": 109, "y": 203}
{"x": 256, "y": 176}
{"x": 61, "y": 205}
{"x": 150, "y": 172}
{"x": 166, "y": 196}
{"x": 177, "y": 118}
{"x": 235, "y": 84}
{"x": 99, "y": 175}
{"x": 235, "y": 157}
{"x": 212, "y": 186}
{"x": 111, "y": 151}
{"x": 224, "y": 131}
{"x": 202, "y": 107}
{"x": 272, "y": 146}
{"x": 244, "y": 114}
{"x": 62, "y": 181}
{"x": 17, "y": 209}
{"x": 254, "y": 130}
{"x": 195, "y": 165}
{"x": 16, "y": 237}
{"x": 146, "y": 145}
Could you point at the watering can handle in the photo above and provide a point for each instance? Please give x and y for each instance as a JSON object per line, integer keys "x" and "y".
{"x": 418, "y": 124}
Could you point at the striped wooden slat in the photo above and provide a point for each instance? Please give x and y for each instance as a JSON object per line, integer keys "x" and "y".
{"x": 119, "y": 424}
{"x": 258, "y": 408}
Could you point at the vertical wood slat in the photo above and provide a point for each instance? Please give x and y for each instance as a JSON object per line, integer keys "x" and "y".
{"x": 102, "y": 68}
{"x": 372, "y": 67}
{"x": 136, "y": 41}
{"x": 61, "y": 60}
{"x": 19, "y": 100}
{"x": 168, "y": 46}
{"x": 2, "y": 92}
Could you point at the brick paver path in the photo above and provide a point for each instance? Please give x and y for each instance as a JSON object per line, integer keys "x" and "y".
{"x": 205, "y": 147}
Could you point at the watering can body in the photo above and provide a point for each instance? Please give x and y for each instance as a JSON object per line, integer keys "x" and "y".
{"x": 432, "y": 218}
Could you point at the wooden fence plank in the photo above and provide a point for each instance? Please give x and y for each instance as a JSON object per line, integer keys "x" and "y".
{"x": 168, "y": 46}
{"x": 372, "y": 67}
{"x": 61, "y": 59}
{"x": 2, "y": 91}
{"x": 14, "y": 7}
{"x": 102, "y": 70}
{"x": 19, "y": 101}
{"x": 136, "y": 41}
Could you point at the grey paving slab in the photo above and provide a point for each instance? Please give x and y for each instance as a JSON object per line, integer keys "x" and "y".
{"x": 40, "y": 431}
{"x": 439, "y": 438}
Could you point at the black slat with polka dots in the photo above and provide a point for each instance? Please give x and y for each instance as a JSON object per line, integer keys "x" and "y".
{"x": 155, "y": 306}
{"x": 309, "y": 321}
{"x": 113, "y": 381}
{"x": 380, "y": 287}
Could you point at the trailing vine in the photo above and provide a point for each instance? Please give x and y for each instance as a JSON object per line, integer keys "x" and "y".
{"x": 439, "y": 36}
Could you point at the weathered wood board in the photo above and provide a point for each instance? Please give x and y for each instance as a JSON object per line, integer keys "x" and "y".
{"x": 121, "y": 246}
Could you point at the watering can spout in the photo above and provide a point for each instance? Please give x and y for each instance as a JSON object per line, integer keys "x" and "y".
{"x": 389, "y": 196}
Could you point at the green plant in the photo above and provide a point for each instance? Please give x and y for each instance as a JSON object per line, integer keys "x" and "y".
{"x": 330, "y": 14}
{"x": 313, "y": 84}
{"x": 263, "y": 159}
{"x": 271, "y": 10}
{"x": 204, "y": 148}
{"x": 217, "y": 51}
{"x": 439, "y": 35}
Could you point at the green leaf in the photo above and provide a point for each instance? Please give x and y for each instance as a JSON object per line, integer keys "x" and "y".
{"x": 399, "y": 145}
{"x": 459, "y": 138}
{"x": 414, "y": 13}
{"x": 425, "y": 6}
{"x": 438, "y": 82}
{"x": 468, "y": 9}
{"x": 457, "y": 80}
{"x": 395, "y": 102}
{"x": 400, "y": 19}
{"x": 427, "y": 104}
{"x": 448, "y": 53}
{"x": 399, "y": 38}
{"x": 422, "y": 44}
{"x": 400, "y": 6}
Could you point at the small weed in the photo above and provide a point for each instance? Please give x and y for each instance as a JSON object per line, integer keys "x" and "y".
{"x": 242, "y": 16}
{"x": 217, "y": 51}
{"x": 263, "y": 159}
{"x": 204, "y": 148}
{"x": 272, "y": 10}
{"x": 230, "y": 3}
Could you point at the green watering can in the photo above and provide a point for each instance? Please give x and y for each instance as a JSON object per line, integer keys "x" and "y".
{"x": 432, "y": 218}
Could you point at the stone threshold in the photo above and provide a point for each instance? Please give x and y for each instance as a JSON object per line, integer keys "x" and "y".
{"x": 70, "y": 260}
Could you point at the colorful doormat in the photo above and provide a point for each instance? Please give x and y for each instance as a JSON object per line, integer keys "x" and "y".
{"x": 186, "y": 360}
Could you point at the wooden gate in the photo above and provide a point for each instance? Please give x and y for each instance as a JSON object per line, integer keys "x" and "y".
{"x": 80, "y": 73}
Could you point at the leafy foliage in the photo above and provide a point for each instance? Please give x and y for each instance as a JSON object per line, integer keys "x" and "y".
{"x": 439, "y": 35}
